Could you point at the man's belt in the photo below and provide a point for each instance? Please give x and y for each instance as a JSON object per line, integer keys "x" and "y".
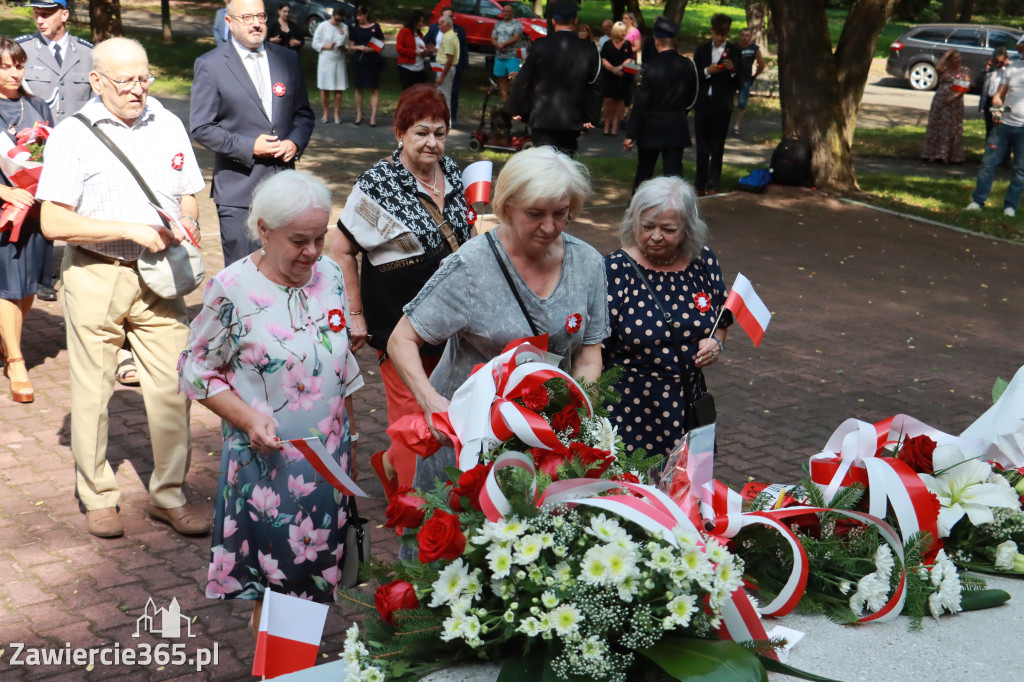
{"x": 110, "y": 260}
{"x": 415, "y": 260}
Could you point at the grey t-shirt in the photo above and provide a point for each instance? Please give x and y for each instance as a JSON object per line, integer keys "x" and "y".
{"x": 468, "y": 303}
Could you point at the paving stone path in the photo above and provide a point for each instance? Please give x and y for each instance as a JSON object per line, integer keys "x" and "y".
{"x": 873, "y": 315}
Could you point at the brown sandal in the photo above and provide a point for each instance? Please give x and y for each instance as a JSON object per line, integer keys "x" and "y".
{"x": 21, "y": 391}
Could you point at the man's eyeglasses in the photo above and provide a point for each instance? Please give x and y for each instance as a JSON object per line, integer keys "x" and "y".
{"x": 129, "y": 84}
{"x": 250, "y": 19}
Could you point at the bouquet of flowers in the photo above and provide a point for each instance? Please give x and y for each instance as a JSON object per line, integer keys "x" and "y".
{"x": 22, "y": 164}
{"x": 546, "y": 551}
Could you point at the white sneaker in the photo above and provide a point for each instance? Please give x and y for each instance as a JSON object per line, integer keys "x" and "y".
{"x": 1009, "y": 213}
{"x": 974, "y": 206}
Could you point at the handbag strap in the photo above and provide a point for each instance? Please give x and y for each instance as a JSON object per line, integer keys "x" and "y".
{"x": 102, "y": 136}
{"x": 650, "y": 290}
{"x": 511, "y": 284}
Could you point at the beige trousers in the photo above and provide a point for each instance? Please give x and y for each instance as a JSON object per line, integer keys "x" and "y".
{"x": 102, "y": 303}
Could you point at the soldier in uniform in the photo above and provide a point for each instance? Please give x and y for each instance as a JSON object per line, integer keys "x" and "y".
{"x": 667, "y": 92}
{"x": 57, "y": 71}
{"x": 557, "y": 87}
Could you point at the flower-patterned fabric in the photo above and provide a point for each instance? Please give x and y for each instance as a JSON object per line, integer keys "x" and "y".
{"x": 285, "y": 352}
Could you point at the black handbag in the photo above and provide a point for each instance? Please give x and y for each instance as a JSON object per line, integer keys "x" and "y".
{"x": 357, "y": 545}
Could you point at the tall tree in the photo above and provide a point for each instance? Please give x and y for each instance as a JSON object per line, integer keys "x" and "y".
{"x": 105, "y": 19}
{"x": 165, "y": 21}
{"x": 820, "y": 89}
{"x": 674, "y": 10}
{"x": 757, "y": 22}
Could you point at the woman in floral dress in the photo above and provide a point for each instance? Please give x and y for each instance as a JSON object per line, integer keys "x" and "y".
{"x": 269, "y": 353}
{"x": 943, "y": 138}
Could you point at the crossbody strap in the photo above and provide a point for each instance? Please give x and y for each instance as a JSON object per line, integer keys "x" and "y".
{"x": 650, "y": 290}
{"x": 102, "y": 136}
{"x": 511, "y": 284}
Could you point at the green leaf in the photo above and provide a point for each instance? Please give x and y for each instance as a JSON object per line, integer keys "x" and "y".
{"x": 975, "y": 600}
{"x": 321, "y": 584}
{"x": 533, "y": 667}
{"x": 998, "y": 387}
{"x": 774, "y": 666}
{"x": 273, "y": 366}
{"x": 705, "y": 660}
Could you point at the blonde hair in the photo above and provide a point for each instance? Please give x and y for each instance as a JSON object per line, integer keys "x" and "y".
{"x": 539, "y": 174}
{"x": 618, "y": 30}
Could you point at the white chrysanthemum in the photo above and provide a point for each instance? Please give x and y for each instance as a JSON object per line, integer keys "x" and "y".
{"x": 594, "y": 568}
{"x": 373, "y": 674}
{"x": 549, "y": 600}
{"x": 872, "y": 592}
{"x": 548, "y": 540}
{"x": 475, "y": 587}
{"x": 661, "y": 557}
{"x": 509, "y": 616}
{"x": 1005, "y": 554}
{"x": 884, "y": 561}
{"x": 505, "y": 530}
{"x": 716, "y": 552}
{"x": 565, "y": 620}
{"x": 527, "y": 549}
{"x": 563, "y": 573}
{"x": 605, "y": 434}
{"x": 451, "y": 628}
{"x": 450, "y": 583}
{"x": 530, "y": 627}
{"x": 727, "y": 576}
{"x": 950, "y": 592}
{"x": 844, "y": 587}
{"x": 621, "y": 561}
{"x": 499, "y": 560}
{"x": 470, "y": 627}
{"x": 606, "y": 529}
{"x": 685, "y": 538}
{"x": 935, "y": 605}
{"x": 681, "y": 609}
{"x": 593, "y": 649}
{"x": 628, "y": 587}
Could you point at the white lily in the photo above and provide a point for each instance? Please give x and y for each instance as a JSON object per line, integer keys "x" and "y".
{"x": 962, "y": 489}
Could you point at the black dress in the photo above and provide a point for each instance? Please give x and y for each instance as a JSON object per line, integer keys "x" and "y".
{"x": 365, "y": 65}
{"x": 274, "y": 30}
{"x": 661, "y": 379}
{"x": 24, "y": 263}
{"x": 612, "y": 86}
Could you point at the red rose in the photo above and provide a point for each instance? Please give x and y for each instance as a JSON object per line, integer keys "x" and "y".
{"x": 397, "y": 595}
{"x": 597, "y": 460}
{"x": 548, "y": 461}
{"x": 470, "y": 484}
{"x": 626, "y": 477}
{"x": 441, "y": 538}
{"x": 917, "y": 454}
{"x": 567, "y": 420}
{"x": 536, "y": 399}
{"x": 405, "y": 510}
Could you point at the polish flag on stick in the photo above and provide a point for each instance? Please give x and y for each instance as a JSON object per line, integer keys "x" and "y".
{"x": 477, "y": 181}
{"x": 377, "y": 44}
{"x": 750, "y": 312}
{"x": 289, "y": 637}
{"x": 313, "y": 450}
{"x": 631, "y": 68}
{"x": 437, "y": 67}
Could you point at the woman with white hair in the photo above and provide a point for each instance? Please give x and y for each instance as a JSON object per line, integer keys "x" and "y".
{"x": 525, "y": 278}
{"x": 269, "y": 354}
{"x": 665, "y": 290}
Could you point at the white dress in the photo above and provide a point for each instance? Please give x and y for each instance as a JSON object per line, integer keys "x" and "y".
{"x": 330, "y": 67}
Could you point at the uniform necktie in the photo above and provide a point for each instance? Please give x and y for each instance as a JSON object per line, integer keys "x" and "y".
{"x": 259, "y": 82}
{"x": 56, "y": 54}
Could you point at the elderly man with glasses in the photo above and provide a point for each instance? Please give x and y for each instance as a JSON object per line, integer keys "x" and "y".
{"x": 251, "y": 109}
{"x": 94, "y": 203}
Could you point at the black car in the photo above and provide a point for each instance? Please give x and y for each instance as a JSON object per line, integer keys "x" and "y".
{"x": 307, "y": 14}
{"x": 914, "y": 55}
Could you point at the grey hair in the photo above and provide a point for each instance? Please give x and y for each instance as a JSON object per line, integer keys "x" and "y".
{"x": 445, "y": 21}
{"x": 279, "y": 198}
{"x": 664, "y": 195}
{"x": 538, "y": 174}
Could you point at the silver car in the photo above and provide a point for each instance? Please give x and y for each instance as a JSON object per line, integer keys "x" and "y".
{"x": 914, "y": 55}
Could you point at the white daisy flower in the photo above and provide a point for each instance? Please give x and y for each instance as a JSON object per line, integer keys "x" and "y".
{"x": 527, "y": 549}
{"x": 565, "y": 620}
{"x": 453, "y": 579}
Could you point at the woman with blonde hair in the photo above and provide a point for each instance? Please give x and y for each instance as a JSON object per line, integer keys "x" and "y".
{"x": 615, "y": 82}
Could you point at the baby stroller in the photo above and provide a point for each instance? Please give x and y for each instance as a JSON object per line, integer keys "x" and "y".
{"x": 500, "y": 135}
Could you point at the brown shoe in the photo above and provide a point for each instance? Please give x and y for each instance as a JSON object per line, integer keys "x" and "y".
{"x": 183, "y": 519}
{"x": 103, "y": 523}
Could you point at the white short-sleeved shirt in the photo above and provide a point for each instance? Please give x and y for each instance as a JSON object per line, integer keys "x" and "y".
{"x": 79, "y": 170}
{"x": 1014, "y": 77}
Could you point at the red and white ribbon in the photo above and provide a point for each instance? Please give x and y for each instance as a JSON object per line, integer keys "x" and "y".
{"x": 330, "y": 470}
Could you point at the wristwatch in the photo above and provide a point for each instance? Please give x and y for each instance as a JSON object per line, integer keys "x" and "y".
{"x": 192, "y": 220}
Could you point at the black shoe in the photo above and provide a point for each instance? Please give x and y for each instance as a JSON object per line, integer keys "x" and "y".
{"x": 45, "y": 293}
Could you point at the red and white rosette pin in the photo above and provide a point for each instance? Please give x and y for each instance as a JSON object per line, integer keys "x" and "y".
{"x": 702, "y": 301}
{"x": 336, "y": 319}
{"x": 573, "y": 323}
{"x": 279, "y": 89}
{"x": 477, "y": 181}
{"x": 377, "y": 44}
{"x": 471, "y": 216}
{"x": 178, "y": 161}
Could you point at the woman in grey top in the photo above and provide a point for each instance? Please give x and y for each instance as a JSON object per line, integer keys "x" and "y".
{"x": 470, "y": 304}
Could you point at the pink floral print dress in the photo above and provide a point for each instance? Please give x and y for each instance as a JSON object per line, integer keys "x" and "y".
{"x": 285, "y": 352}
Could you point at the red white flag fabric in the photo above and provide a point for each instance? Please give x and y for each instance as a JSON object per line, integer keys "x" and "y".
{"x": 631, "y": 68}
{"x": 748, "y": 309}
{"x": 377, "y": 44}
{"x": 477, "y": 181}
{"x": 437, "y": 68}
{"x": 289, "y": 637}
{"x": 521, "y": 53}
{"x": 313, "y": 450}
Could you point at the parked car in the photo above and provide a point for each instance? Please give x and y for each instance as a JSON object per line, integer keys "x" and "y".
{"x": 308, "y": 14}
{"x": 478, "y": 17}
{"x": 914, "y": 55}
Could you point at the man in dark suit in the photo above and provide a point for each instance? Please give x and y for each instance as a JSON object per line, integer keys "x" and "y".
{"x": 717, "y": 82}
{"x": 667, "y": 92}
{"x": 433, "y": 41}
{"x": 254, "y": 115}
{"x": 557, "y": 87}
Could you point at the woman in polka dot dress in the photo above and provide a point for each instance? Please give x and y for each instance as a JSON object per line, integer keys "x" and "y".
{"x": 663, "y": 236}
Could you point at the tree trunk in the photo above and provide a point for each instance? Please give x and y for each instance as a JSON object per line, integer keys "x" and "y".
{"x": 538, "y": 8}
{"x": 966, "y": 10}
{"x": 757, "y": 14}
{"x": 618, "y": 7}
{"x": 674, "y": 10}
{"x": 165, "y": 21}
{"x": 105, "y": 19}
{"x": 634, "y": 7}
{"x": 950, "y": 10}
{"x": 820, "y": 91}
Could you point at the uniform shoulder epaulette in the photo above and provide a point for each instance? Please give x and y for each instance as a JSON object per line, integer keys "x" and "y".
{"x": 83, "y": 41}
{"x": 25, "y": 38}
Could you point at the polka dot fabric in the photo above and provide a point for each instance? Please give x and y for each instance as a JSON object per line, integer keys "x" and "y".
{"x": 661, "y": 379}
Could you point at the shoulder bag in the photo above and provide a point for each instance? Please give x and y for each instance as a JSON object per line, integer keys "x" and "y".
{"x": 511, "y": 284}
{"x": 178, "y": 269}
{"x": 357, "y": 545}
{"x": 701, "y": 411}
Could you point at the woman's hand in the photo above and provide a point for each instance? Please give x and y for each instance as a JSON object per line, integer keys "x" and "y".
{"x": 431, "y": 404}
{"x": 357, "y": 336}
{"x": 708, "y": 351}
{"x": 262, "y": 434}
{"x": 17, "y": 196}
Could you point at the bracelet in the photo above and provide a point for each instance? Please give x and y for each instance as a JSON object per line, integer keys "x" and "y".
{"x": 721, "y": 346}
{"x": 355, "y": 312}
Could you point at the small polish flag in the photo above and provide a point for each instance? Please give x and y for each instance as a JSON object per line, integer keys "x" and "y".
{"x": 437, "y": 67}
{"x": 750, "y": 312}
{"x": 477, "y": 181}
{"x": 313, "y": 450}
{"x": 631, "y": 68}
{"x": 377, "y": 44}
{"x": 521, "y": 53}
{"x": 289, "y": 637}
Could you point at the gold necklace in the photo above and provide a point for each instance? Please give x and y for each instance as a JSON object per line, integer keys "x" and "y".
{"x": 661, "y": 263}
{"x": 432, "y": 187}
{"x": 12, "y": 128}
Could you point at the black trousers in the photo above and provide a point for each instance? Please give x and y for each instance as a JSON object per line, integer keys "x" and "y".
{"x": 710, "y": 128}
{"x": 565, "y": 141}
{"x": 409, "y": 78}
{"x": 646, "y": 159}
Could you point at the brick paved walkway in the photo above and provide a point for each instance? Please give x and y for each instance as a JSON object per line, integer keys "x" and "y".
{"x": 873, "y": 315}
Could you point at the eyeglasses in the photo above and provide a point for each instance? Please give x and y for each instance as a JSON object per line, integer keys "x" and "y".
{"x": 129, "y": 84}
{"x": 250, "y": 19}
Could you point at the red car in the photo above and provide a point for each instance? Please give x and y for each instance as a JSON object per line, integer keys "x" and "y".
{"x": 478, "y": 17}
